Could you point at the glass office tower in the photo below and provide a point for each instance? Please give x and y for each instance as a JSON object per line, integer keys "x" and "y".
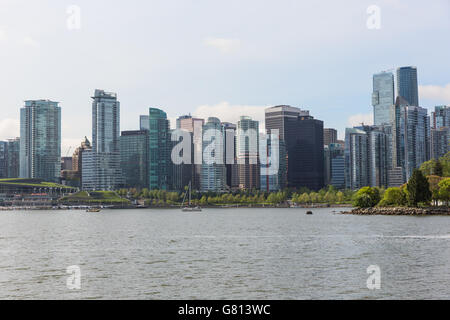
{"x": 304, "y": 140}
{"x": 407, "y": 86}
{"x": 382, "y": 97}
{"x": 160, "y": 162}
{"x": 40, "y": 140}
{"x": 134, "y": 158}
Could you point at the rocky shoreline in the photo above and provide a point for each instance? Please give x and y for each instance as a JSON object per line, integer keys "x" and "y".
{"x": 400, "y": 211}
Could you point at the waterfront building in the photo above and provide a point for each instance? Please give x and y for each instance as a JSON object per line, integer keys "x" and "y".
{"x": 356, "y": 158}
{"x": 415, "y": 134}
{"x": 160, "y": 164}
{"x": 273, "y": 181}
{"x": 3, "y": 159}
{"x": 230, "y": 155}
{"x": 134, "y": 146}
{"x": 13, "y": 158}
{"x": 247, "y": 153}
{"x": 407, "y": 85}
{"x": 334, "y": 165}
{"x": 213, "y": 170}
{"x": 195, "y": 127}
{"x": 440, "y": 139}
{"x": 101, "y": 164}
{"x": 303, "y": 137}
{"x": 440, "y": 131}
{"x": 382, "y": 97}
{"x": 40, "y": 140}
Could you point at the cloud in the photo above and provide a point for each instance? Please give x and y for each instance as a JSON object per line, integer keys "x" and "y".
{"x": 2, "y": 34}
{"x": 433, "y": 92}
{"x": 231, "y": 113}
{"x": 9, "y": 128}
{"x": 223, "y": 45}
{"x": 357, "y": 119}
{"x": 30, "y": 42}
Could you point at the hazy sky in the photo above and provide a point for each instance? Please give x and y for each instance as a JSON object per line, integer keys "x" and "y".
{"x": 215, "y": 58}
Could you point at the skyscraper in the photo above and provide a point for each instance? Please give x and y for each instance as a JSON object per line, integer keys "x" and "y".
{"x": 13, "y": 158}
{"x": 440, "y": 131}
{"x": 270, "y": 180}
{"x": 356, "y": 158}
{"x": 3, "y": 159}
{"x": 303, "y": 138}
{"x": 411, "y": 136}
{"x": 77, "y": 160}
{"x": 144, "y": 122}
{"x": 367, "y": 156}
{"x": 213, "y": 170}
{"x": 195, "y": 127}
{"x": 407, "y": 86}
{"x": 134, "y": 158}
{"x": 247, "y": 153}
{"x": 101, "y": 165}
{"x": 230, "y": 155}
{"x": 329, "y": 136}
{"x": 382, "y": 96}
{"x": 159, "y": 166}
{"x": 40, "y": 140}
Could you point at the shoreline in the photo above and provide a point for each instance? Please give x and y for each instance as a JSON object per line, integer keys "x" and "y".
{"x": 401, "y": 211}
{"x": 109, "y": 207}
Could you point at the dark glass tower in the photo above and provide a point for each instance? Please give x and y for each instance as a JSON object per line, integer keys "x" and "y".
{"x": 159, "y": 166}
{"x": 407, "y": 86}
{"x": 303, "y": 139}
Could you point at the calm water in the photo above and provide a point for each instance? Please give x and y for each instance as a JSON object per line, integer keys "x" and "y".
{"x": 222, "y": 254}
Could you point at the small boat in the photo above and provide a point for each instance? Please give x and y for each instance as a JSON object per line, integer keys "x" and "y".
{"x": 93, "y": 210}
{"x": 309, "y": 212}
{"x": 190, "y": 208}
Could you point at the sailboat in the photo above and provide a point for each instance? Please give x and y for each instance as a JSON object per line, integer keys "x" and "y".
{"x": 189, "y": 208}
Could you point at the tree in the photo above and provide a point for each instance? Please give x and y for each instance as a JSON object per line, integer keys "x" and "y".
{"x": 433, "y": 181}
{"x": 418, "y": 189}
{"x": 304, "y": 198}
{"x": 444, "y": 191}
{"x": 340, "y": 197}
{"x": 393, "y": 197}
{"x": 366, "y": 197}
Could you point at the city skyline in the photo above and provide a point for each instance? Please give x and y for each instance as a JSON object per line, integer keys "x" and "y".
{"x": 172, "y": 67}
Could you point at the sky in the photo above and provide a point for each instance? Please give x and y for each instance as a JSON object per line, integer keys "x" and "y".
{"x": 216, "y": 58}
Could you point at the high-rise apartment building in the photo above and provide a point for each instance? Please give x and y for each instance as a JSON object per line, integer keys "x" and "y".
{"x": 40, "y": 140}
{"x": 230, "y": 155}
{"x": 13, "y": 158}
{"x": 101, "y": 164}
{"x": 440, "y": 131}
{"x": 382, "y": 97}
{"x": 247, "y": 153}
{"x": 213, "y": 170}
{"x": 329, "y": 136}
{"x": 367, "y": 156}
{"x": 3, "y": 159}
{"x": 195, "y": 127}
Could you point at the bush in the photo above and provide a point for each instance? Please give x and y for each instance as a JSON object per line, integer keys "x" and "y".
{"x": 393, "y": 197}
{"x": 366, "y": 197}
